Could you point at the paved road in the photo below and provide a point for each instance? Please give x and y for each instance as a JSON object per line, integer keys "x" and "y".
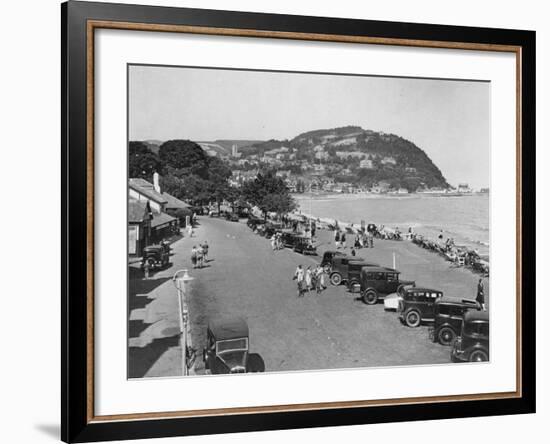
{"x": 332, "y": 330}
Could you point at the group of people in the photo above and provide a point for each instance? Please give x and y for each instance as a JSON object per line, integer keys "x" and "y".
{"x": 312, "y": 278}
{"x": 362, "y": 240}
{"x": 199, "y": 255}
{"x": 276, "y": 241}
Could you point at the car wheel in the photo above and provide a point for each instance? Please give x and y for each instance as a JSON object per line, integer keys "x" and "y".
{"x": 412, "y": 319}
{"x": 446, "y": 336}
{"x": 478, "y": 356}
{"x": 335, "y": 278}
{"x": 370, "y": 297}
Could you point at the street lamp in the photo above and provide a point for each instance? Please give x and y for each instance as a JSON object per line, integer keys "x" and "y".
{"x": 180, "y": 279}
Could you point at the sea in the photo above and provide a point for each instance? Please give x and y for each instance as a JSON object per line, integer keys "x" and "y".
{"x": 464, "y": 218}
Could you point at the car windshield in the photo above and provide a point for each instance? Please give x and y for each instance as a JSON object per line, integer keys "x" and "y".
{"x": 476, "y": 328}
{"x": 232, "y": 344}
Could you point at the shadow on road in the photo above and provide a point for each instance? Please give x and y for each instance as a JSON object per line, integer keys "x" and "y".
{"x": 140, "y": 360}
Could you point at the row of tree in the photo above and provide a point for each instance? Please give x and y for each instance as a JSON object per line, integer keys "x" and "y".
{"x": 189, "y": 174}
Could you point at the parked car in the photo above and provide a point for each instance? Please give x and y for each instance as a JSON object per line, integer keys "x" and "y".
{"x": 448, "y": 318}
{"x": 299, "y": 243}
{"x": 232, "y": 217}
{"x": 156, "y": 256}
{"x": 253, "y": 222}
{"x": 226, "y": 348}
{"x": 271, "y": 228}
{"x": 326, "y": 262}
{"x": 347, "y": 269}
{"x": 473, "y": 343}
{"x": 377, "y": 282}
{"x": 417, "y": 306}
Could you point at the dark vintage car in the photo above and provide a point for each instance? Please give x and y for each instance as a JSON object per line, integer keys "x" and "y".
{"x": 417, "y": 305}
{"x": 156, "y": 256}
{"x": 327, "y": 258}
{"x": 347, "y": 270}
{"x": 473, "y": 343}
{"x": 299, "y": 243}
{"x": 226, "y": 348}
{"x": 448, "y": 318}
{"x": 254, "y": 222}
{"x": 377, "y": 282}
{"x": 270, "y": 228}
{"x": 233, "y": 217}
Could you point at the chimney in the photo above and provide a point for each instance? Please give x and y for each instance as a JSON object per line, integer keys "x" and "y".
{"x": 156, "y": 184}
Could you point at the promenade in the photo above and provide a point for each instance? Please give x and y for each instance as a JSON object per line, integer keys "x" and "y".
{"x": 244, "y": 277}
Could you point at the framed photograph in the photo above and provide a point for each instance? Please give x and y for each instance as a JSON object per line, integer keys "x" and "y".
{"x": 275, "y": 221}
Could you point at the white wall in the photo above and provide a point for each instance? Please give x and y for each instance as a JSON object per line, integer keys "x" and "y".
{"x": 29, "y": 104}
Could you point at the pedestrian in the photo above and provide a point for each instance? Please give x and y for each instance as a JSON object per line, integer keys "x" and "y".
{"x": 308, "y": 279}
{"x": 200, "y": 256}
{"x": 343, "y": 239}
{"x": 274, "y": 242}
{"x": 190, "y": 230}
{"x": 353, "y": 251}
{"x": 337, "y": 239}
{"x": 194, "y": 256}
{"x": 371, "y": 239}
{"x": 205, "y": 251}
{"x": 299, "y": 277}
{"x": 480, "y": 298}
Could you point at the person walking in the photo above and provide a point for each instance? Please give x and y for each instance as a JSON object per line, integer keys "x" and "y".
{"x": 308, "y": 279}
{"x": 480, "y": 298}
{"x": 299, "y": 277}
{"x": 205, "y": 251}
{"x": 200, "y": 256}
{"x": 343, "y": 240}
{"x": 194, "y": 256}
{"x": 274, "y": 242}
{"x": 337, "y": 239}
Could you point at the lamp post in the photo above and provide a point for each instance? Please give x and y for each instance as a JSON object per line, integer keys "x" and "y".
{"x": 180, "y": 279}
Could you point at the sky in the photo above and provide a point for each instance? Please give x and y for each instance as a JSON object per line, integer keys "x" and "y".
{"x": 449, "y": 119}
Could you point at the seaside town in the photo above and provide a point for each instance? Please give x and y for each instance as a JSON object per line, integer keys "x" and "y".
{"x": 231, "y": 272}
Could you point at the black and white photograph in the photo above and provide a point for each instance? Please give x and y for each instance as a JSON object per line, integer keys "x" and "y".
{"x": 304, "y": 221}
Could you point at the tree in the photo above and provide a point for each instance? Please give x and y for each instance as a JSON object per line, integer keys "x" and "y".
{"x": 184, "y": 154}
{"x": 269, "y": 193}
{"x": 142, "y": 162}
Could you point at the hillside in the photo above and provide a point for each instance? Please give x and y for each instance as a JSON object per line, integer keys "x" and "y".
{"x": 352, "y": 154}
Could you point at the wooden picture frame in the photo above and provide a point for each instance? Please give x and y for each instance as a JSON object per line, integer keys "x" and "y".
{"x": 79, "y": 22}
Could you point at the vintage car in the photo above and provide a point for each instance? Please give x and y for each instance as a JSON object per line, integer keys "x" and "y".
{"x": 448, "y": 317}
{"x": 377, "y": 282}
{"x": 226, "y": 348}
{"x": 271, "y": 228}
{"x": 232, "y": 217}
{"x": 417, "y": 305}
{"x": 326, "y": 262}
{"x": 347, "y": 269}
{"x": 473, "y": 343}
{"x": 254, "y": 222}
{"x": 156, "y": 256}
{"x": 299, "y": 243}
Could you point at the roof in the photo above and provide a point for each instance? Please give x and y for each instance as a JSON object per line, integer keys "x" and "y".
{"x": 476, "y": 315}
{"x": 379, "y": 269}
{"x": 424, "y": 289}
{"x": 457, "y": 301}
{"x": 161, "y": 219}
{"x": 228, "y": 328}
{"x": 147, "y": 189}
{"x": 137, "y": 211}
{"x": 173, "y": 202}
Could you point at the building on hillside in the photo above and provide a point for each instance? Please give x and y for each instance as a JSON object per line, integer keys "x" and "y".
{"x": 388, "y": 161}
{"x": 367, "y": 164}
{"x": 350, "y": 154}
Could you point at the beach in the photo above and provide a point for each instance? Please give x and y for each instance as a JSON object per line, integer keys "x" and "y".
{"x": 246, "y": 278}
{"x": 462, "y": 218}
